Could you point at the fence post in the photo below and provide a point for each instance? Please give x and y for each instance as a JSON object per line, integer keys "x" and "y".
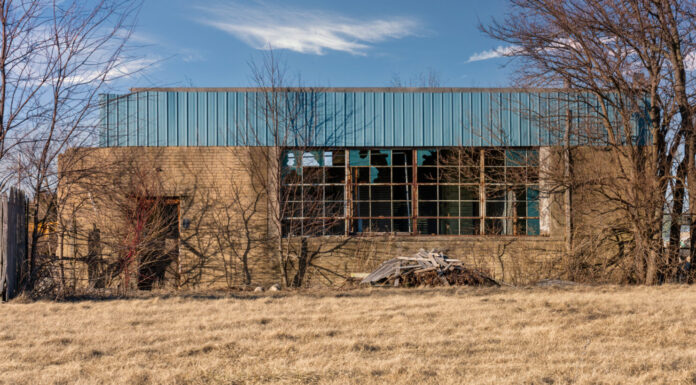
{"x": 13, "y": 242}
{"x": 3, "y": 247}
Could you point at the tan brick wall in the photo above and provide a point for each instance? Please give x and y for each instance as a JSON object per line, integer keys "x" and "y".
{"x": 207, "y": 178}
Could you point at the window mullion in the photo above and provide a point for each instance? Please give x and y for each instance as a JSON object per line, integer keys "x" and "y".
{"x": 348, "y": 193}
{"x": 414, "y": 192}
{"x": 482, "y": 192}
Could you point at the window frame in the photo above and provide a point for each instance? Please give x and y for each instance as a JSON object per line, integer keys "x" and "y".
{"x": 356, "y": 182}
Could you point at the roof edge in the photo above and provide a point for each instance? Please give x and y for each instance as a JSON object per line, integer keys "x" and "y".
{"x": 347, "y": 89}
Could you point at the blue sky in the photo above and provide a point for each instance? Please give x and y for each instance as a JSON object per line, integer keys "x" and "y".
{"x": 327, "y": 43}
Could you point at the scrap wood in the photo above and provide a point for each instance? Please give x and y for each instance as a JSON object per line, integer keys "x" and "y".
{"x": 429, "y": 268}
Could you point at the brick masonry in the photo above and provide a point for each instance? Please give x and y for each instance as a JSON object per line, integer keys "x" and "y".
{"x": 217, "y": 194}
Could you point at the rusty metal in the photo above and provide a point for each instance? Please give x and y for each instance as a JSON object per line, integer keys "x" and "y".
{"x": 413, "y": 197}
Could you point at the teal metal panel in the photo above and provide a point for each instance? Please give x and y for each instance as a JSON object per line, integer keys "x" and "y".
{"x": 341, "y": 118}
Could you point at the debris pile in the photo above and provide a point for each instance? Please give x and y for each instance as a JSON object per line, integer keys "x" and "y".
{"x": 427, "y": 268}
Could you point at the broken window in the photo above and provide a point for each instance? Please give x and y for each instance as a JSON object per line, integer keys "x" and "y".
{"x": 511, "y": 191}
{"x": 381, "y": 189}
{"x": 313, "y": 192}
{"x": 445, "y": 191}
{"x": 448, "y": 192}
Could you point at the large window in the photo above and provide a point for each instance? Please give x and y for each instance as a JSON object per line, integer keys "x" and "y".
{"x": 446, "y": 191}
{"x": 313, "y": 192}
{"x": 381, "y": 186}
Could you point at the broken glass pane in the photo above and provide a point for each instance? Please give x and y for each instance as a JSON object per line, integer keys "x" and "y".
{"x": 362, "y": 174}
{"x": 289, "y": 159}
{"x": 311, "y": 158}
{"x": 339, "y": 158}
{"x": 359, "y": 158}
{"x": 401, "y": 157}
{"x": 380, "y": 158}
{"x": 427, "y": 157}
{"x": 328, "y": 158}
{"x": 383, "y": 175}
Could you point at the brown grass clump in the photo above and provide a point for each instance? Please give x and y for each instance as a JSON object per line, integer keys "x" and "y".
{"x": 597, "y": 335}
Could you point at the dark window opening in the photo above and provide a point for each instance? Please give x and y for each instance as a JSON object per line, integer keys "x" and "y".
{"x": 446, "y": 191}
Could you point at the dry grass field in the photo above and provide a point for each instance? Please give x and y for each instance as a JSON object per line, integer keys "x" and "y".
{"x": 586, "y": 335}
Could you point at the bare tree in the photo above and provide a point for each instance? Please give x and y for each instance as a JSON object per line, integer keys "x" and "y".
{"x": 622, "y": 64}
{"x": 429, "y": 79}
{"x": 289, "y": 169}
{"x": 55, "y": 58}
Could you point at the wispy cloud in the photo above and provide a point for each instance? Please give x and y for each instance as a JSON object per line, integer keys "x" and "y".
{"x": 500, "y": 51}
{"x": 121, "y": 69}
{"x": 165, "y": 48}
{"x": 306, "y": 31}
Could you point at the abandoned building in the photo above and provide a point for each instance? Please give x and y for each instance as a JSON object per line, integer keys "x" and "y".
{"x": 364, "y": 175}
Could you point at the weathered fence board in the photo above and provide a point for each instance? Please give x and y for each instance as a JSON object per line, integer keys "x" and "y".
{"x": 13, "y": 242}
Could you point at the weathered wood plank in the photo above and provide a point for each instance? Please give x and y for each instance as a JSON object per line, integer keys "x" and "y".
{"x": 3, "y": 251}
{"x": 13, "y": 242}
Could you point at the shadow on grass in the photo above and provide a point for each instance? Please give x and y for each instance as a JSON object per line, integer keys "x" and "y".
{"x": 105, "y": 295}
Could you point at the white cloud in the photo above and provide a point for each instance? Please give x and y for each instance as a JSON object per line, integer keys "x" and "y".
{"x": 305, "y": 31}
{"x": 119, "y": 70}
{"x": 500, "y": 51}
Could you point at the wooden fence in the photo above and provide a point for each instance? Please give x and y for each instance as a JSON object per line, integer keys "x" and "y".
{"x": 13, "y": 242}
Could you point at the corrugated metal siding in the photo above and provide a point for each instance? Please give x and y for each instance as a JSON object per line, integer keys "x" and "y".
{"x": 329, "y": 118}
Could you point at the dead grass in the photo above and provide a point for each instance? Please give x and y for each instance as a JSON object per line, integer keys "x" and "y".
{"x": 612, "y": 335}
